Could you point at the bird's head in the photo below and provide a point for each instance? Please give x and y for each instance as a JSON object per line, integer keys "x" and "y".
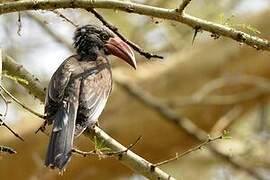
{"x": 91, "y": 40}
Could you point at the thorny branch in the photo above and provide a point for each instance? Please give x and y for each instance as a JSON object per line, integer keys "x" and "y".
{"x": 151, "y": 11}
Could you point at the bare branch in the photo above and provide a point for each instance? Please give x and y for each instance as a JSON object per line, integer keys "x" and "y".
{"x": 126, "y": 150}
{"x": 115, "y": 30}
{"x": 65, "y": 18}
{"x": 56, "y": 37}
{"x": 183, "y": 5}
{"x": 19, "y": 24}
{"x": 198, "y": 147}
{"x": 170, "y": 14}
{"x": 83, "y": 153}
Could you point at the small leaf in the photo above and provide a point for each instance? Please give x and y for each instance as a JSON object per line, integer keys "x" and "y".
{"x": 226, "y": 135}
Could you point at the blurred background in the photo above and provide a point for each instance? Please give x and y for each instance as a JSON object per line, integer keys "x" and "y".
{"x": 218, "y": 84}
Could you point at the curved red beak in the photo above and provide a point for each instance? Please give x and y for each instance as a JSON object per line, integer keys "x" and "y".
{"x": 119, "y": 48}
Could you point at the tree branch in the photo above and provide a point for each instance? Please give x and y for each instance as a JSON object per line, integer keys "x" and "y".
{"x": 33, "y": 84}
{"x": 129, "y": 159}
{"x": 183, "y": 5}
{"x": 170, "y": 14}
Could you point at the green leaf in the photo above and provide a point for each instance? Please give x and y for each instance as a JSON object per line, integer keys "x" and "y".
{"x": 226, "y": 135}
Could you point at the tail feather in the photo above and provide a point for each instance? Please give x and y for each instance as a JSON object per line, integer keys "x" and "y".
{"x": 61, "y": 140}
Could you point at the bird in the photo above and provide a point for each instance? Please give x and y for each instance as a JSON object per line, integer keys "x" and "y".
{"x": 78, "y": 90}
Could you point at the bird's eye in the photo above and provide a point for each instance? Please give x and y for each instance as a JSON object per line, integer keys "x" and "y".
{"x": 104, "y": 36}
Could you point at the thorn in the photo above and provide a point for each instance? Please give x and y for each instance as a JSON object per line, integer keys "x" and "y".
{"x": 196, "y": 30}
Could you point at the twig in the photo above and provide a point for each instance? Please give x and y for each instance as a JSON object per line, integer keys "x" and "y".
{"x": 83, "y": 153}
{"x": 20, "y": 103}
{"x": 6, "y": 149}
{"x": 126, "y": 150}
{"x": 182, "y": 6}
{"x": 151, "y": 11}
{"x": 198, "y": 147}
{"x": 65, "y": 18}
{"x": 129, "y": 158}
{"x": 51, "y": 33}
{"x": 2, "y": 123}
{"x": 115, "y": 30}
{"x": 96, "y": 151}
{"x": 19, "y": 24}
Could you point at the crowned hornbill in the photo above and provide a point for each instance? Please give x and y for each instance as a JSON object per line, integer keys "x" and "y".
{"x": 79, "y": 89}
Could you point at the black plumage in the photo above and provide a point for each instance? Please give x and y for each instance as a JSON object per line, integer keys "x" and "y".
{"x": 79, "y": 89}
